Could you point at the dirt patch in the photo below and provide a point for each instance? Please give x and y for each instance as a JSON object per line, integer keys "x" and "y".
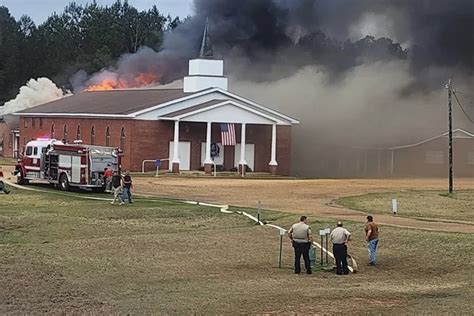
{"x": 311, "y": 197}
{"x": 29, "y": 286}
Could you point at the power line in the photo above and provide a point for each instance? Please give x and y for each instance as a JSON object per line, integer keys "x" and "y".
{"x": 460, "y": 105}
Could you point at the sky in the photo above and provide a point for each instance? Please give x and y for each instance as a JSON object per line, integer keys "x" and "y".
{"x": 39, "y": 10}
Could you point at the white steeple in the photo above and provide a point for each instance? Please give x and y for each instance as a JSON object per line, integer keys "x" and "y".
{"x": 205, "y": 72}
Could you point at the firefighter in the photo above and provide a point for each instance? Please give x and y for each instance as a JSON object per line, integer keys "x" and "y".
{"x": 108, "y": 173}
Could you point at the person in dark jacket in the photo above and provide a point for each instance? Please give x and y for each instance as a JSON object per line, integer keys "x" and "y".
{"x": 127, "y": 187}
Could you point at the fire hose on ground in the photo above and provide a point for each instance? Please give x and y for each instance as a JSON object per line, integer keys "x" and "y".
{"x": 225, "y": 209}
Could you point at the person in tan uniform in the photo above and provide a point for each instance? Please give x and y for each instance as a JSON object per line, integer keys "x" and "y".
{"x": 301, "y": 239}
{"x": 339, "y": 238}
{"x": 372, "y": 237}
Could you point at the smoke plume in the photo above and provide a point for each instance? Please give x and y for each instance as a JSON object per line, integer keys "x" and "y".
{"x": 365, "y": 73}
{"x": 335, "y": 34}
{"x": 35, "y": 92}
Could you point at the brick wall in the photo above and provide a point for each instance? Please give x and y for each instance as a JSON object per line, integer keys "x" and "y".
{"x": 35, "y": 128}
{"x": 149, "y": 140}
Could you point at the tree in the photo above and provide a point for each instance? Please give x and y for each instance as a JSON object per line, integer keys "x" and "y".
{"x": 89, "y": 37}
{"x": 9, "y": 48}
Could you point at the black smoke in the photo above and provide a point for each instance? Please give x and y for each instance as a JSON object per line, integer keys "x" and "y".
{"x": 360, "y": 73}
{"x": 293, "y": 34}
{"x": 266, "y": 40}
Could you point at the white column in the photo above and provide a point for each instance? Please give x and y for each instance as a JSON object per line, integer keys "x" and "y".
{"x": 242, "y": 146}
{"x": 208, "y": 159}
{"x": 176, "y": 143}
{"x": 273, "y": 161}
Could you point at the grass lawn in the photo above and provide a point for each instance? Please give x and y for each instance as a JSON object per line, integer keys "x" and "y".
{"x": 64, "y": 254}
{"x": 7, "y": 161}
{"x": 417, "y": 204}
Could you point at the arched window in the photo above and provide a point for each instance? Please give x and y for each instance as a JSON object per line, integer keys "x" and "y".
{"x": 122, "y": 138}
{"x": 93, "y": 135}
{"x": 52, "y": 131}
{"x": 78, "y": 132}
{"x": 107, "y": 136}
{"x": 65, "y": 132}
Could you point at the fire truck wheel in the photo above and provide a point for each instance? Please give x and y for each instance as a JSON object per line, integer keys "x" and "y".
{"x": 63, "y": 182}
{"x": 20, "y": 180}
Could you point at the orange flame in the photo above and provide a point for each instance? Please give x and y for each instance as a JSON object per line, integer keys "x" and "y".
{"x": 141, "y": 80}
{"x": 146, "y": 79}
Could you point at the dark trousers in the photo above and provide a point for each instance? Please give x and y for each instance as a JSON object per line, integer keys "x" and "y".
{"x": 340, "y": 254}
{"x": 302, "y": 249}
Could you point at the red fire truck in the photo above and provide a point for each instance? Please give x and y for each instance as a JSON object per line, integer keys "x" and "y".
{"x": 66, "y": 165}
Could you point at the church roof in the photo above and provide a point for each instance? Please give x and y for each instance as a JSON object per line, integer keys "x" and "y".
{"x": 112, "y": 102}
{"x": 156, "y": 104}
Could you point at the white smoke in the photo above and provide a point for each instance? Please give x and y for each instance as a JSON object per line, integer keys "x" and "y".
{"x": 35, "y": 92}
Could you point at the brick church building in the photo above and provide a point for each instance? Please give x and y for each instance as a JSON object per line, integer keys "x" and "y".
{"x": 182, "y": 125}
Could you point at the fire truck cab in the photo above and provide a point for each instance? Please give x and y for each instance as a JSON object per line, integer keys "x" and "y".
{"x": 31, "y": 163}
{"x": 66, "y": 165}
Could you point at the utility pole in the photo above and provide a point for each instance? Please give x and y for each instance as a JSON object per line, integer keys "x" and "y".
{"x": 449, "y": 86}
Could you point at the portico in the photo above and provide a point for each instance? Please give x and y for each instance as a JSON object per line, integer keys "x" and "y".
{"x": 211, "y": 114}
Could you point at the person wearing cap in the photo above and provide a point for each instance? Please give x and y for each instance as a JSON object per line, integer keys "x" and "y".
{"x": 372, "y": 237}
{"x": 339, "y": 238}
{"x": 301, "y": 239}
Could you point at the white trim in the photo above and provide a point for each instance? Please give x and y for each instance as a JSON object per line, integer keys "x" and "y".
{"x": 75, "y": 114}
{"x": 209, "y": 91}
{"x": 290, "y": 119}
{"x": 279, "y": 115}
{"x": 433, "y": 138}
{"x": 225, "y": 102}
{"x": 161, "y": 105}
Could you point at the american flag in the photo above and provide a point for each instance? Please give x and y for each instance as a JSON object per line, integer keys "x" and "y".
{"x": 228, "y": 134}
